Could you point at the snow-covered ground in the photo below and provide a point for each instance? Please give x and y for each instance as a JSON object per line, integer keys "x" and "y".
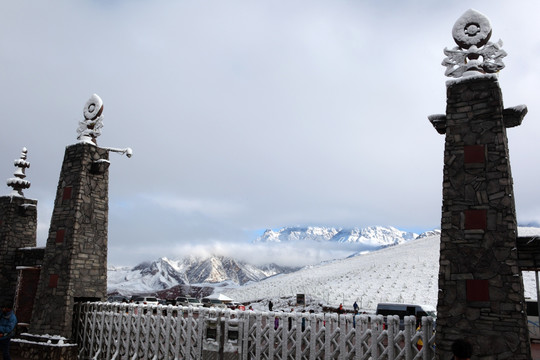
{"x": 403, "y": 273}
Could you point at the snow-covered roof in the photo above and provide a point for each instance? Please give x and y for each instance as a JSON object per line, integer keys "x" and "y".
{"x": 528, "y": 231}
{"x": 219, "y": 297}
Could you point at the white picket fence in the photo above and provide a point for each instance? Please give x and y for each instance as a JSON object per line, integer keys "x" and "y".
{"x": 124, "y": 331}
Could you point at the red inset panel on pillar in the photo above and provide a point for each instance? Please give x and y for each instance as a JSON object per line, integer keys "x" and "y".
{"x": 477, "y": 290}
{"x": 475, "y": 219}
{"x": 53, "y": 280}
{"x": 67, "y": 193}
{"x": 474, "y": 154}
{"x": 60, "y": 235}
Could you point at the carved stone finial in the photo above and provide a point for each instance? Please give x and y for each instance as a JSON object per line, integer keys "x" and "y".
{"x": 18, "y": 183}
{"x": 472, "y": 28}
{"x": 90, "y": 128}
{"x": 475, "y": 54}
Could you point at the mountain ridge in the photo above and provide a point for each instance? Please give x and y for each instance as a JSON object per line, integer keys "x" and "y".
{"x": 372, "y": 236}
{"x": 165, "y": 273}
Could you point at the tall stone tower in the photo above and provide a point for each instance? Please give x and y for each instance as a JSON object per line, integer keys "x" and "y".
{"x": 18, "y": 224}
{"x": 481, "y": 295}
{"x": 75, "y": 260}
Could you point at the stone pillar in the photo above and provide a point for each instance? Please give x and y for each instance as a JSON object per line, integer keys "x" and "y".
{"x": 18, "y": 224}
{"x": 75, "y": 260}
{"x": 481, "y": 295}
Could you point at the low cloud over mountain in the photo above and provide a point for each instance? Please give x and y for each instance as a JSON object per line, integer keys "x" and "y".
{"x": 283, "y": 251}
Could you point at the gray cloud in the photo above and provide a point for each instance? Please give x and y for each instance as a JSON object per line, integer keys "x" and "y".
{"x": 246, "y": 115}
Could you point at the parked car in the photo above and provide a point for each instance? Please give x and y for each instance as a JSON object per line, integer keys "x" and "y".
{"x": 212, "y": 303}
{"x": 146, "y": 300}
{"x": 188, "y": 301}
{"x": 403, "y": 310}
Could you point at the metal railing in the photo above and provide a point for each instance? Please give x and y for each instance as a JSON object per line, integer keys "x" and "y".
{"x": 125, "y": 331}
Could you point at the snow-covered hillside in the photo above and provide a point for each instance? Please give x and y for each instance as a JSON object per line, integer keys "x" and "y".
{"x": 403, "y": 273}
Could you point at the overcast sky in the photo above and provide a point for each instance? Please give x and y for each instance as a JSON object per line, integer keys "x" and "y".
{"x": 247, "y": 115}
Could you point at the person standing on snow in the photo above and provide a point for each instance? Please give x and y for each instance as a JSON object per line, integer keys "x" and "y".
{"x": 290, "y": 320}
{"x": 270, "y": 305}
{"x": 8, "y": 321}
{"x": 420, "y": 342}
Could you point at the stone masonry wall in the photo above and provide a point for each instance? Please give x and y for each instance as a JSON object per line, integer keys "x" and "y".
{"x": 75, "y": 261}
{"x": 18, "y": 224}
{"x": 480, "y": 285}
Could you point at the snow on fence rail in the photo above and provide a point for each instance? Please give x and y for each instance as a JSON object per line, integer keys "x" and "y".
{"x": 127, "y": 331}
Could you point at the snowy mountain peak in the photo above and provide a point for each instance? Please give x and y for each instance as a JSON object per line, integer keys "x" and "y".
{"x": 372, "y": 237}
{"x": 287, "y": 234}
{"x": 164, "y": 273}
{"x": 435, "y": 232}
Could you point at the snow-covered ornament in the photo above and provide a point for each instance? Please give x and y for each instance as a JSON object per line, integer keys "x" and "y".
{"x": 90, "y": 128}
{"x": 475, "y": 54}
{"x": 18, "y": 183}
